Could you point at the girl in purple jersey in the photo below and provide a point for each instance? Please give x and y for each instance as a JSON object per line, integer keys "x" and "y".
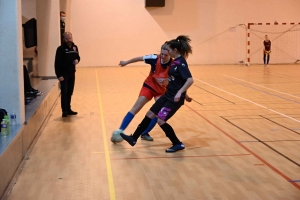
{"x": 267, "y": 50}
{"x": 180, "y": 79}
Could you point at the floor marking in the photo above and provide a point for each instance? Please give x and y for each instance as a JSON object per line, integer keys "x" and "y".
{"x": 204, "y": 156}
{"x": 264, "y": 91}
{"x": 261, "y": 86}
{"x": 248, "y": 150}
{"x": 106, "y": 150}
{"x": 249, "y": 101}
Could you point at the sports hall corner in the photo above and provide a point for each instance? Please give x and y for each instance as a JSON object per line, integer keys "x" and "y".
{"x": 240, "y": 131}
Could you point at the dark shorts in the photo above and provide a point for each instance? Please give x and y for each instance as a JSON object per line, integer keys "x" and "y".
{"x": 164, "y": 108}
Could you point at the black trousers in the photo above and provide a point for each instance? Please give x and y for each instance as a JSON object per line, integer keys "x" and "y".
{"x": 266, "y": 58}
{"x": 67, "y": 88}
{"x": 27, "y": 84}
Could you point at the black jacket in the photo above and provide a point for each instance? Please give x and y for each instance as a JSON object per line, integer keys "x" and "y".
{"x": 62, "y": 30}
{"x": 62, "y": 27}
{"x": 64, "y": 60}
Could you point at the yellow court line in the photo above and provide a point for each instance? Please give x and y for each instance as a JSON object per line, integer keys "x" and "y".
{"x": 106, "y": 151}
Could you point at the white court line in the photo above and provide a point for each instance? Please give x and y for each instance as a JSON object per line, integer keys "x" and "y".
{"x": 248, "y": 100}
{"x": 261, "y": 86}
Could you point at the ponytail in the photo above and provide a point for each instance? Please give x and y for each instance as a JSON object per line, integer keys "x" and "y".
{"x": 182, "y": 44}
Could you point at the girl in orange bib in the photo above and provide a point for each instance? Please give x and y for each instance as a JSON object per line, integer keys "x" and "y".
{"x": 154, "y": 86}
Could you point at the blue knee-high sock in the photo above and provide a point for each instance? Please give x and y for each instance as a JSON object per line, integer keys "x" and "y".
{"x": 126, "y": 121}
{"x": 151, "y": 125}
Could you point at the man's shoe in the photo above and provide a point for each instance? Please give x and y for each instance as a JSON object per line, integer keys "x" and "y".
{"x": 64, "y": 114}
{"x": 129, "y": 139}
{"x": 30, "y": 94}
{"x": 176, "y": 147}
{"x": 28, "y": 100}
{"x": 38, "y": 93}
{"x": 71, "y": 112}
{"x": 147, "y": 137}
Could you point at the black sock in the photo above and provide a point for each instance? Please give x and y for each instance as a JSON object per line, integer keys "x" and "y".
{"x": 170, "y": 133}
{"x": 141, "y": 127}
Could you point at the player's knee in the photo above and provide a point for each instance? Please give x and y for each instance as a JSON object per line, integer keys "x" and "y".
{"x": 160, "y": 122}
{"x": 135, "y": 109}
{"x": 150, "y": 114}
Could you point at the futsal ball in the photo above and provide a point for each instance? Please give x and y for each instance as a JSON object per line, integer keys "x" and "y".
{"x": 162, "y": 81}
{"x": 247, "y": 64}
{"x": 116, "y": 137}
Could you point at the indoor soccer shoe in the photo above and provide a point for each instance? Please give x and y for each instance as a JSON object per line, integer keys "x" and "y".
{"x": 129, "y": 139}
{"x": 174, "y": 148}
{"x": 147, "y": 137}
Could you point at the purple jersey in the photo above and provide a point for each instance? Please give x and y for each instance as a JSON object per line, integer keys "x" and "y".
{"x": 267, "y": 45}
{"x": 178, "y": 74}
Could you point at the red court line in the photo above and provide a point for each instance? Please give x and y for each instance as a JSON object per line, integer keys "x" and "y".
{"x": 204, "y": 156}
{"x": 251, "y": 152}
{"x": 230, "y": 109}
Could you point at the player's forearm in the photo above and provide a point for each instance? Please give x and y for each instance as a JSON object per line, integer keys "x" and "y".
{"x": 133, "y": 60}
{"x": 187, "y": 84}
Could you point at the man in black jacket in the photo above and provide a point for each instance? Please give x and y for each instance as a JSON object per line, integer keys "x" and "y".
{"x": 66, "y": 59}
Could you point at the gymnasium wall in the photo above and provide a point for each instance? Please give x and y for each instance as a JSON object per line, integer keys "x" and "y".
{"x": 107, "y": 31}
{"x": 29, "y": 8}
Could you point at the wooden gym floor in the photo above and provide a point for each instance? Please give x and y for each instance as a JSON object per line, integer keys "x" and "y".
{"x": 242, "y": 137}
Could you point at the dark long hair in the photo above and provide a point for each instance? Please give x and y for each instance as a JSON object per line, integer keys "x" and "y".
{"x": 182, "y": 44}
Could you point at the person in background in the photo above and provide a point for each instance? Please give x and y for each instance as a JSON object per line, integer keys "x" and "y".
{"x": 66, "y": 59}
{"x": 62, "y": 25}
{"x": 267, "y": 50}
{"x": 29, "y": 92}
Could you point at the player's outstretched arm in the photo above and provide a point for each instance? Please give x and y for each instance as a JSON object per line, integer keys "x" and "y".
{"x": 133, "y": 60}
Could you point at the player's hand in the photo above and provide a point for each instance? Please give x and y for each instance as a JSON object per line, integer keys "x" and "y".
{"x": 75, "y": 62}
{"x": 188, "y": 98}
{"x": 61, "y": 78}
{"x": 122, "y": 63}
{"x": 177, "y": 97}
